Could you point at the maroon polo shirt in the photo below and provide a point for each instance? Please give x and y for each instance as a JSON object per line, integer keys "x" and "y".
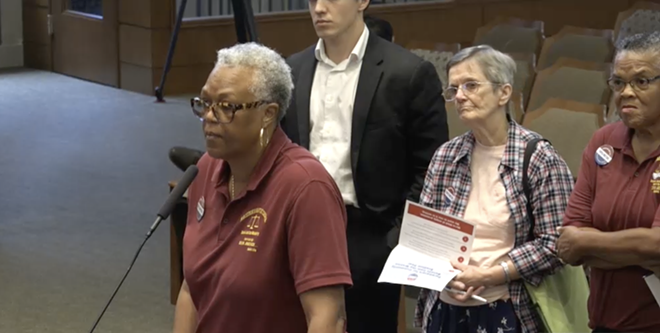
{"x": 613, "y": 197}
{"x": 247, "y": 261}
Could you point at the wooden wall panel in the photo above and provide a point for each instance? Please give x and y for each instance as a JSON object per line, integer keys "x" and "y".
{"x": 41, "y": 3}
{"x": 446, "y": 23}
{"x": 35, "y": 28}
{"x": 145, "y": 29}
{"x": 144, "y": 32}
{"x": 180, "y": 80}
{"x": 519, "y": 9}
{"x": 184, "y": 80}
{"x": 136, "y": 78}
{"x": 634, "y": 1}
{"x": 198, "y": 45}
{"x": 135, "y": 45}
{"x": 37, "y": 56}
{"x": 270, "y": 32}
{"x": 145, "y": 13}
{"x": 595, "y": 14}
{"x": 37, "y": 49}
{"x": 135, "y": 12}
{"x": 160, "y": 42}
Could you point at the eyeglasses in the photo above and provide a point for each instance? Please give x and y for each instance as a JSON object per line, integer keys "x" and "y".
{"x": 223, "y": 112}
{"x": 470, "y": 87}
{"x": 639, "y": 84}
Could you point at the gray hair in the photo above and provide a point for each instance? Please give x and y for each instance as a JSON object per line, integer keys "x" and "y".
{"x": 272, "y": 80}
{"x": 497, "y": 66}
{"x": 640, "y": 43}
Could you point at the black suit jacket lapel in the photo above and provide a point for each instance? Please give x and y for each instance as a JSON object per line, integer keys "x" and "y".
{"x": 303, "y": 92}
{"x": 370, "y": 76}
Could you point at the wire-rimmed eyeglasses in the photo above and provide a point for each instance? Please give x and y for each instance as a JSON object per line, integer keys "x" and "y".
{"x": 639, "y": 83}
{"x": 223, "y": 112}
{"x": 470, "y": 87}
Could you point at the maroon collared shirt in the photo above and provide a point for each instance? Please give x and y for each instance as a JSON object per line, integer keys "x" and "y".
{"x": 247, "y": 261}
{"x": 611, "y": 197}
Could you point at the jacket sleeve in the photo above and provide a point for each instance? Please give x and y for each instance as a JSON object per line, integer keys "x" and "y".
{"x": 426, "y": 124}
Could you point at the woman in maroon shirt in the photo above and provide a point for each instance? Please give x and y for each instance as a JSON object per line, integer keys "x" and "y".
{"x": 612, "y": 223}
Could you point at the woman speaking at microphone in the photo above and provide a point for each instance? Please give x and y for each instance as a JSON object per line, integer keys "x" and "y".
{"x": 264, "y": 249}
{"x": 478, "y": 176}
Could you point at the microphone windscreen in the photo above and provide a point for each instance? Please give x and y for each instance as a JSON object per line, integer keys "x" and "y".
{"x": 178, "y": 191}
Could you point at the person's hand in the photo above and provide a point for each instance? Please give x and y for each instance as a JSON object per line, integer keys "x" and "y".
{"x": 460, "y": 296}
{"x": 567, "y": 245}
{"x": 470, "y": 276}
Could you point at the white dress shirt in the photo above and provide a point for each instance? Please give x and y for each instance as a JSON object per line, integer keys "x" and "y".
{"x": 331, "y": 114}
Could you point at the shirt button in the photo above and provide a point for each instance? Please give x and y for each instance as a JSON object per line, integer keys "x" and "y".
{"x": 225, "y": 221}
{"x": 636, "y": 174}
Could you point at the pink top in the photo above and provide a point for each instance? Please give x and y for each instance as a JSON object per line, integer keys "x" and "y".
{"x": 487, "y": 208}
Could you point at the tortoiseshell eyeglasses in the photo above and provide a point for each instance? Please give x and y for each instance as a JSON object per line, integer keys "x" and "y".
{"x": 223, "y": 112}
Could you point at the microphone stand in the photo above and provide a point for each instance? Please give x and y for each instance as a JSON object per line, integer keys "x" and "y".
{"x": 163, "y": 214}
{"x": 146, "y": 238}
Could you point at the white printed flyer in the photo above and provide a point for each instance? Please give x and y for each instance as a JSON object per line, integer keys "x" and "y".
{"x": 429, "y": 240}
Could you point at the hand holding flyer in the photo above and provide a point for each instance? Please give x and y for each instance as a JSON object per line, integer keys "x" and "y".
{"x": 429, "y": 240}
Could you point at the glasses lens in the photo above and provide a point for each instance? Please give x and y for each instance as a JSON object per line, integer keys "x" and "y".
{"x": 471, "y": 87}
{"x": 198, "y": 107}
{"x": 616, "y": 84}
{"x": 449, "y": 94}
{"x": 642, "y": 83}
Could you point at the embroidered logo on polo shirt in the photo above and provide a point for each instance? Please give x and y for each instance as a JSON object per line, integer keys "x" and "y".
{"x": 200, "y": 209}
{"x": 655, "y": 178}
{"x": 254, "y": 219}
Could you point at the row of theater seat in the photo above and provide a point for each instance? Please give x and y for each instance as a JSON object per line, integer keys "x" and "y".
{"x": 560, "y": 88}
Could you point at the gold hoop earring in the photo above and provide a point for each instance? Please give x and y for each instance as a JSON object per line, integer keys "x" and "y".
{"x": 261, "y": 137}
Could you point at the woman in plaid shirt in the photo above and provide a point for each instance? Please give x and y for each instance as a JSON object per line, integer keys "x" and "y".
{"x": 478, "y": 176}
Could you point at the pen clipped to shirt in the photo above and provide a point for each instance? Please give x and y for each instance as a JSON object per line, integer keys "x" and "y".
{"x": 461, "y": 292}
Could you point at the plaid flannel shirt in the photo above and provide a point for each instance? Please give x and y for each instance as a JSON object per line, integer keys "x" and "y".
{"x": 551, "y": 183}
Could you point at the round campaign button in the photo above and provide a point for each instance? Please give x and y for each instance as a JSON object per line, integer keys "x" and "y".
{"x": 200, "y": 209}
{"x": 450, "y": 195}
{"x": 604, "y": 155}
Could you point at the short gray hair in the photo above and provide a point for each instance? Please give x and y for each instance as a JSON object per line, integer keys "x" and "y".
{"x": 497, "y": 66}
{"x": 641, "y": 43}
{"x": 272, "y": 80}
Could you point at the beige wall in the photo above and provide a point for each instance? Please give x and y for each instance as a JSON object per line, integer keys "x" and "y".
{"x": 11, "y": 21}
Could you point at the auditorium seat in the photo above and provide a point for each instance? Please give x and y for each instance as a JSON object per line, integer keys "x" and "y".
{"x": 584, "y": 44}
{"x": 574, "y": 80}
{"x": 512, "y": 35}
{"x": 568, "y": 125}
{"x": 516, "y": 106}
{"x": 438, "y": 54}
{"x": 525, "y": 74}
{"x": 641, "y": 17}
{"x": 612, "y": 112}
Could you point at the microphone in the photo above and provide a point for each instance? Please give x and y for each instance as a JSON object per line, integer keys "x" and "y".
{"x": 163, "y": 214}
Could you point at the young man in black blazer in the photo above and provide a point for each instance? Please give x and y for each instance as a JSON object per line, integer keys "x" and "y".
{"x": 373, "y": 114}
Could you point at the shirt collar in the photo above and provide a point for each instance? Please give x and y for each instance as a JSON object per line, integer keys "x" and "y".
{"x": 357, "y": 53}
{"x": 512, "y": 153}
{"x": 266, "y": 163}
{"x": 620, "y": 137}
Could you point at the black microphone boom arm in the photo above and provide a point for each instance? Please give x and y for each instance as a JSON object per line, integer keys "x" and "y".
{"x": 163, "y": 214}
